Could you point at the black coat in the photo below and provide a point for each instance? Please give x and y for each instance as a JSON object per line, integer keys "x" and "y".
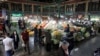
{"x": 35, "y": 32}
{"x": 40, "y": 33}
{"x": 15, "y": 40}
{"x": 48, "y": 36}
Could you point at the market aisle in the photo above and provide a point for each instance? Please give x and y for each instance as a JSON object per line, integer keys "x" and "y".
{"x": 87, "y": 48}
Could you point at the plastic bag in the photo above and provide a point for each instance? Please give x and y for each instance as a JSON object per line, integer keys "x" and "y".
{"x": 23, "y": 45}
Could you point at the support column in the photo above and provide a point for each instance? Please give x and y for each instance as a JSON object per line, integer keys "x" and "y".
{"x": 74, "y": 8}
{"x": 49, "y": 11}
{"x": 86, "y": 10}
{"x": 9, "y": 5}
{"x": 9, "y": 11}
{"x": 23, "y": 7}
{"x": 65, "y": 9}
{"x": 41, "y": 10}
{"x": 32, "y": 8}
{"x": 59, "y": 10}
{"x": 55, "y": 9}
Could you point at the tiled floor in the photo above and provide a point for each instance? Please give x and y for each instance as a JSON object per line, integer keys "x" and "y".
{"x": 84, "y": 49}
{"x": 87, "y": 48}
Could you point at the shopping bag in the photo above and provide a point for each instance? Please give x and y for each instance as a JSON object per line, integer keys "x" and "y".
{"x": 23, "y": 45}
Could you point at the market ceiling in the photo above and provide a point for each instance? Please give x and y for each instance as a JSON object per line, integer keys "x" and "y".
{"x": 50, "y": 1}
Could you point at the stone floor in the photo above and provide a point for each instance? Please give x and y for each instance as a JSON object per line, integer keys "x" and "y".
{"x": 87, "y": 48}
{"x": 84, "y": 49}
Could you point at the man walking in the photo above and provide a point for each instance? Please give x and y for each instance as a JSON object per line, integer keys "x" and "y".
{"x": 25, "y": 39}
{"x": 8, "y": 44}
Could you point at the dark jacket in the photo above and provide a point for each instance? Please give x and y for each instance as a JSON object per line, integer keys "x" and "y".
{"x": 67, "y": 29}
{"x": 61, "y": 52}
{"x": 35, "y": 32}
{"x": 40, "y": 33}
{"x": 16, "y": 40}
{"x": 48, "y": 36}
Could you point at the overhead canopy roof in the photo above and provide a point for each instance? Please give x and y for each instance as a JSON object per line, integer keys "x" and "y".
{"x": 49, "y": 1}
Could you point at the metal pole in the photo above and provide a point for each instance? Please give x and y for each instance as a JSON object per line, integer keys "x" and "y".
{"x": 41, "y": 10}
{"x": 65, "y": 11}
{"x": 23, "y": 7}
{"x": 74, "y": 7}
{"x": 32, "y": 8}
{"x": 49, "y": 10}
{"x": 9, "y": 13}
{"x": 86, "y": 10}
{"x": 58, "y": 11}
{"x": 59, "y": 8}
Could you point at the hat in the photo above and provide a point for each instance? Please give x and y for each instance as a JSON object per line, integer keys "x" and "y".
{"x": 65, "y": 43}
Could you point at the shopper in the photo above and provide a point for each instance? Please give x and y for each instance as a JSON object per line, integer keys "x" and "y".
{"x": 63, "y": 50}
{"x": 67, "y": 29}
{"x": 2, "y": 26}
{"x": 36, "y": 34}
{"x": 8, "y": 44}
{"x": 23, "y": 25}
{"x": 48, "y": 40}
{"x": 40, "y": 35}
{"x": 25, "y": 40}
{"x": 8, "y": 24}
{"x": 15, "y": 38}
{"x": 19, "y": 23}
{"x": 71, "y": 33}
{"x": 70, "y": 40}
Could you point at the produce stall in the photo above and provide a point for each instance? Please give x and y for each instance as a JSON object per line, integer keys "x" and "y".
{"x": 82, "y": 28}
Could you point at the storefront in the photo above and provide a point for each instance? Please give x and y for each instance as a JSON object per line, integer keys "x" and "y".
{"x": 95, "y": 17}
{"x": 15, "y": 16}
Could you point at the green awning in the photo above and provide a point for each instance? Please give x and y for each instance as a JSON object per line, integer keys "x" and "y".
{"x": 16, "y": 14}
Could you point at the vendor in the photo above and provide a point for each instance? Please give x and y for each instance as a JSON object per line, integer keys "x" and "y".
{"x": 67, "y": 29}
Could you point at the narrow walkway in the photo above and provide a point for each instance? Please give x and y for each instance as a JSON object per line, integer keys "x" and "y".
{"x": 87, "y": 48}
{"x": 84, "y": 49}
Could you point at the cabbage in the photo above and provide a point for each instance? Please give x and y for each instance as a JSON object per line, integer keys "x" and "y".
{"x": 87, "y": 34}
{"x": 56, "y": 36}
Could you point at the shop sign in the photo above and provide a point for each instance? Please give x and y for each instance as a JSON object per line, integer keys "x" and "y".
{"x": 17, "y": 14}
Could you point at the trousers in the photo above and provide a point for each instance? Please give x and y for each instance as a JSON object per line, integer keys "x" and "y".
{"x": 9, "y": 53}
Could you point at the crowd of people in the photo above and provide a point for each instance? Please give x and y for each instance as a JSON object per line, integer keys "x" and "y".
{"x": 41, "y": 38}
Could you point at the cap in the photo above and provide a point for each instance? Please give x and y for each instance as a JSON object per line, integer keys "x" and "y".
{"x": 65, "y": 43}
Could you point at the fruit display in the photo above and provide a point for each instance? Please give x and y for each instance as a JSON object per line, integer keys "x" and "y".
{"x": 56, "y": 36}
{"x": 31, "y": 33}
{"x": 87, "y": 35}
{"x": 79, "y": 27}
